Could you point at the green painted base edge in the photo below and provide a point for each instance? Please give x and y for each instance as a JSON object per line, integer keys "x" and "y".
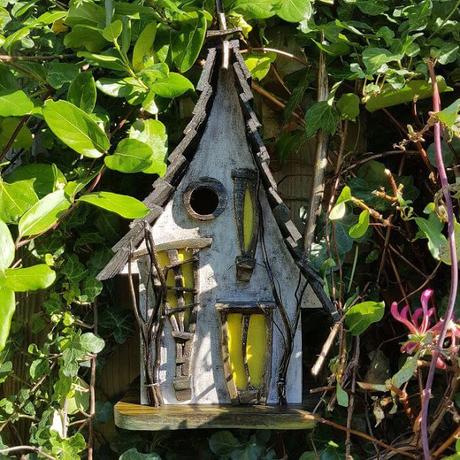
{"x": 136, "y": 417}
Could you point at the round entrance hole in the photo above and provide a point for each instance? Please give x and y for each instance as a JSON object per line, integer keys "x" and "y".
{"x": 205, "y": 199}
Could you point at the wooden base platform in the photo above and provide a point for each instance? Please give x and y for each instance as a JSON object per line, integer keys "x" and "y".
{"x": 133, "y": 416}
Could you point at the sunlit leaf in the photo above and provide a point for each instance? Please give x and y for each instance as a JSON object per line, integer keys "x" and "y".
{"x": 44, "y": 214}
{"x": 123, "y": 205}
{"x": 360, "y": 316}
{"x": 29, "y": 278}
{"x": 7, "y": 307}
{"x": 130, "y": 156}
{"x": 7, "y": 247}
{"x": 75, "y": 128}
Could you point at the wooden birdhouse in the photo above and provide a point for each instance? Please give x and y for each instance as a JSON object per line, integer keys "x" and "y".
{"x": 221, "y": 274}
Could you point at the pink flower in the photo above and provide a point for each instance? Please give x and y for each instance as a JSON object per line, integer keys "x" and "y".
{"x": 418, "y": 324}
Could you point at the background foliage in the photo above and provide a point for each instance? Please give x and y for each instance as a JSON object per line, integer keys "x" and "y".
{"x": 93, "y": 95}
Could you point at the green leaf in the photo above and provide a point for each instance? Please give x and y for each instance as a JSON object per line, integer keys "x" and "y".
{"x": 91, "y": 343}
{"x": 153, "y": 133}
{"x": 223, "y": 443}
{"x": 415, "y": 89}
{"x": 130, "y": 156}
{"x": 320, "y": 116}
{"x": 259, "y": 63}
{"x": 115, "y": 88}
{"x": 16, "y": 199}
{"x": 75, "y": 128}
{"x": 449, "y": 116}
{"x": 125, "y": 206}
{"x": 85, "y": 36}
{"x": 143, "y": 49}
{"x": 173, "y": 85}
{"x": 294, "y": 10}
{"x": 406, "y": 372}
{"x": 43, "y": 214}
{"x": 22, "y": 140}
{"x": 7, "y": 307}
{"x": 359, "y": 317}
{"x": 432, "y": 230}
{"x": 112, "y": 31}
{"x": 348, "y": 106}
{"x": 339, "y": 209}
{"x": 106, "y": 61}
{"x": 134, "y": 454}
{"x": 29, "y": 278}
{"x": 46, "y": 178}
{"x": 82, "y": 92}
{"x": 342, "y": 396}
{"x": 256, "y": 9}
{"x": 187, "y": 43}
{"x": 448, "y": 149}
{"x": 60, "y": 73}
{"x": 375, "y": 58}
{"x": 360, "y": 228}
{"x": 15, "y": 103}
{"x": 7, "y": 247}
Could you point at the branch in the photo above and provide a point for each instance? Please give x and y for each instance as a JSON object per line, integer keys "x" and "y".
{"x": 454, "y": 267}
{"x": 37, "y": 450}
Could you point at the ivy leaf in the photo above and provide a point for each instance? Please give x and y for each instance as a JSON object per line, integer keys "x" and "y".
{"x": 173, "y": 85}
{"x": 91, "y": 343}
{"x": 134, "y": 454}
{"x": 131, "y": 156}
{"x": 375, "y": 58}
{"x": 7, "y": 307}
{"x": 82, "y": 92}
{"x": 43, "y": 214}
{"x": 187, "y": 43}
{"x": 223, "y": 443}
{"x": 294, "y": 10}
{"x": 123, "y": 205}
{"x": 359, "y": 317}
{"x": 15, "y": 103}
{"x": 29, "y": 278}
{"x": 320, "y": 115}
{"x": 360, "y": 228}
{"x": 75, "y": 128}
{"x": 348, "y": 106}
{"x": 7, "y": 247}
{"x": 143, "y": 49}
{"x": 16, "y": 199}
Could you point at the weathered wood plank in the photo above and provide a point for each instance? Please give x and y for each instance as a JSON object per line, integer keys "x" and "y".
{"x": 132, "y": 416}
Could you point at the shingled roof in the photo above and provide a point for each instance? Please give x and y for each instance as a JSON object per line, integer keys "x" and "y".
{"x": 182, "y": 155}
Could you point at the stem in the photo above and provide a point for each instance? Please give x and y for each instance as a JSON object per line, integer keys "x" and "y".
{"x": 37, "y": 450}
{"x": 280, "y": 52}
{"x": 453, "y": 268}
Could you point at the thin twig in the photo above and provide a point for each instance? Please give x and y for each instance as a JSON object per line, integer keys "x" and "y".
{"x": 351, "y": 403}
{"x": 276, "y": 51}
{"x": 37, "y": 450}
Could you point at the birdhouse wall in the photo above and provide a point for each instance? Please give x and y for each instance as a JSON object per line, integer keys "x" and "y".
{"x": 222, "y": 149}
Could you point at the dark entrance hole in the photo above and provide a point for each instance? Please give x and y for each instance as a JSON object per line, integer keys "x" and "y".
{"x": 204, "y": 200}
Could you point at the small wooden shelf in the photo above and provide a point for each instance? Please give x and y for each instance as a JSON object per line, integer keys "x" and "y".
{"x": 134, "y": 416}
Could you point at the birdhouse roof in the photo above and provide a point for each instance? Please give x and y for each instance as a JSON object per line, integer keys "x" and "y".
{"x": 180, "y": 158}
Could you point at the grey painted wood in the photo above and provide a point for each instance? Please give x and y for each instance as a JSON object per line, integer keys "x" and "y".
{"x": 224, "y": 147}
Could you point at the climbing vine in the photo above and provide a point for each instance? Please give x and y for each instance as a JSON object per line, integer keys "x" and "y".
{"x": 93, "y": 95}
